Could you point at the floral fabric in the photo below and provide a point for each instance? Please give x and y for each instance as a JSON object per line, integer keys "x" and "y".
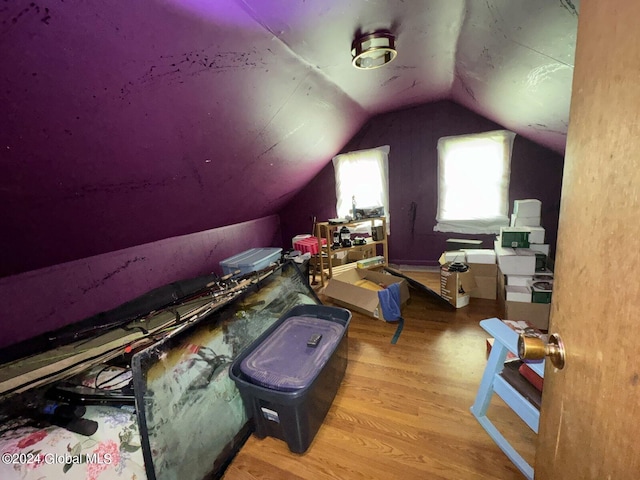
{"x": 112, "y": 453}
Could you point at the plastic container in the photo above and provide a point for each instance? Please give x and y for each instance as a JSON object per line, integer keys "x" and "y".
{"x": 297, "y": 238}
{"x": 308, "y": 245}
{"x": 250, "y": 260}
{"x": 288, "y": 387}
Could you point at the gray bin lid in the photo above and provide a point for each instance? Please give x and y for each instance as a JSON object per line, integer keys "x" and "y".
{"x": 284, "y": 362}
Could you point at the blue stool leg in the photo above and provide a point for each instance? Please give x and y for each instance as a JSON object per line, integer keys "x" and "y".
{"x": 495, "y": 363}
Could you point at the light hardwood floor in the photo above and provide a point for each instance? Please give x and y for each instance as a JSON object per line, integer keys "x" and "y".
{"x": 403, "y": 410}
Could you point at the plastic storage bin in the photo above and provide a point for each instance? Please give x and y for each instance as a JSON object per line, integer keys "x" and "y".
{"x": 288, "y": 387}
{"x": 308, "y": 245}
{"x": 250, "y": 260}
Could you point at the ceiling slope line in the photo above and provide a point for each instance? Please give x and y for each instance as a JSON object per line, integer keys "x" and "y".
{"x": 454, "y": 67}
{"x": 252, "y": 13}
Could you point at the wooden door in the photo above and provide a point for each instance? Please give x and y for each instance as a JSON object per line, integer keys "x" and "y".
{"x": 590, "y": 420}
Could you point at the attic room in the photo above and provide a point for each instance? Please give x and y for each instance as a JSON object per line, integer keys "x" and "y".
{"x": 143, "y": 144}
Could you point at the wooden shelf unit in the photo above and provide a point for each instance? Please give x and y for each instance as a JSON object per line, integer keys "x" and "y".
{"x": 325, "y": 230}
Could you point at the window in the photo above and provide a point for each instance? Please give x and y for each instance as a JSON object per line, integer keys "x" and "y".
{"x": 473, "y": 182}
{"x": 364, "y": 176}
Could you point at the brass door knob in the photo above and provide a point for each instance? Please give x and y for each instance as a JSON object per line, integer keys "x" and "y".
{"x": 533, "y": 348}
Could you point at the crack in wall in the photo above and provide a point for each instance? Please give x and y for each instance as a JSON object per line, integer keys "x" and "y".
{"x": 103, "y": 280}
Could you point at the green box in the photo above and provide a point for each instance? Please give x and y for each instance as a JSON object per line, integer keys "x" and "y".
{"x": 540, "y": 297}
{"x": 541, "y": 262}
{"x": 515, "y": 239}
{"x": 541, "y": 292}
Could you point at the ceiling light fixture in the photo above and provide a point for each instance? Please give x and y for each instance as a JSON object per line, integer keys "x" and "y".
{"x": 373, "y": 50}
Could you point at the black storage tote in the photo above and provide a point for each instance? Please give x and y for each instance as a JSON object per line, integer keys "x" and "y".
{"x": 289, "y": 376}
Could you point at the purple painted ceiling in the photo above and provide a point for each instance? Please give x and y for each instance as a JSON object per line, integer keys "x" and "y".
{"x": 128, "y": 122}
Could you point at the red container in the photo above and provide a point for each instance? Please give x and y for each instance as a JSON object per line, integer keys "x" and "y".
{"x": 309, "y": 245}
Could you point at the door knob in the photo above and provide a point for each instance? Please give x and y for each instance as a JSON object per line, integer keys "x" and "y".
{"x": 533, "y": 348}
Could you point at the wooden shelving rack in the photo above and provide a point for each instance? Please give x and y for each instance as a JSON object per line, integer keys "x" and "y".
{"x": 325, "y": 230}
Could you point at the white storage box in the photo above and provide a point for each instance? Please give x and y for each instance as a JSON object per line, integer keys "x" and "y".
{"x": 516, "y": 261}
{"x": 527, "y": 208}
{"x": 453, "y": 256}
{"x": 518, "y": 221}
{"x": 250, "y": 260}
{"x": 515, "y": 293}
{"x": 484, "y": 256}
{"x": 536, "y": 234}
{"x": 519, "y": 280}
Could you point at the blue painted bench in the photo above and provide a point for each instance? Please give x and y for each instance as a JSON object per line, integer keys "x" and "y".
{"x": 505, "y": 340}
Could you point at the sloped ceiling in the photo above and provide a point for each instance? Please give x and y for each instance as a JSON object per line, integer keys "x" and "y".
{"x": 128, "y": 122}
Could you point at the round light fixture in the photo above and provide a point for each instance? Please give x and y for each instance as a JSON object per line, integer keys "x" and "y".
{"x": 373, "y": 50}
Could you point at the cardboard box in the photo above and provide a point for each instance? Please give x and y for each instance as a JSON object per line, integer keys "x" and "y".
{"x": 361, "y": 252}
{"x": 535, "y": 313}
{"x": 343, "y": 290}
{"x": 502, "y": 282}
{"x": 527, "y": 208}
{"x": 486, "y": 287}
{"x": 486, "y": 278}
{"x": 339, "y": 258}
{"x": 456, "y": 287}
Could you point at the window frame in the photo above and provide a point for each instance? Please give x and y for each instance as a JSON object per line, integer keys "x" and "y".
{"x": 378, "y": 157}
{"x": 489, "y": 223}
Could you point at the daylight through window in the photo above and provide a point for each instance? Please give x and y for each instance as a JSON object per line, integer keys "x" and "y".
{"x": 473, "y": 182}
{"x": 363, "y": 175}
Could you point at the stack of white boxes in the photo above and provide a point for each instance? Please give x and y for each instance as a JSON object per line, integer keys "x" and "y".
{"x": 516, "y": 250}
{"x": 526, "y": 214}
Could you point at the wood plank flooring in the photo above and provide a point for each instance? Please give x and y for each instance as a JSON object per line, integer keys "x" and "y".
{"x": 403, "y": 410}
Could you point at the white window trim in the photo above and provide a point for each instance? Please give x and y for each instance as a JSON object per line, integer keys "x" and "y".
{"x": 378, "y": 157}
{"x": 447, "y": 221}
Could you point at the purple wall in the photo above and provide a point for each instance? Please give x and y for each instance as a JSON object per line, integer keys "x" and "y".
{"x": 124, "y": 123}
{"x": 43, "y": 300}
{"x": 413, "y": 133}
